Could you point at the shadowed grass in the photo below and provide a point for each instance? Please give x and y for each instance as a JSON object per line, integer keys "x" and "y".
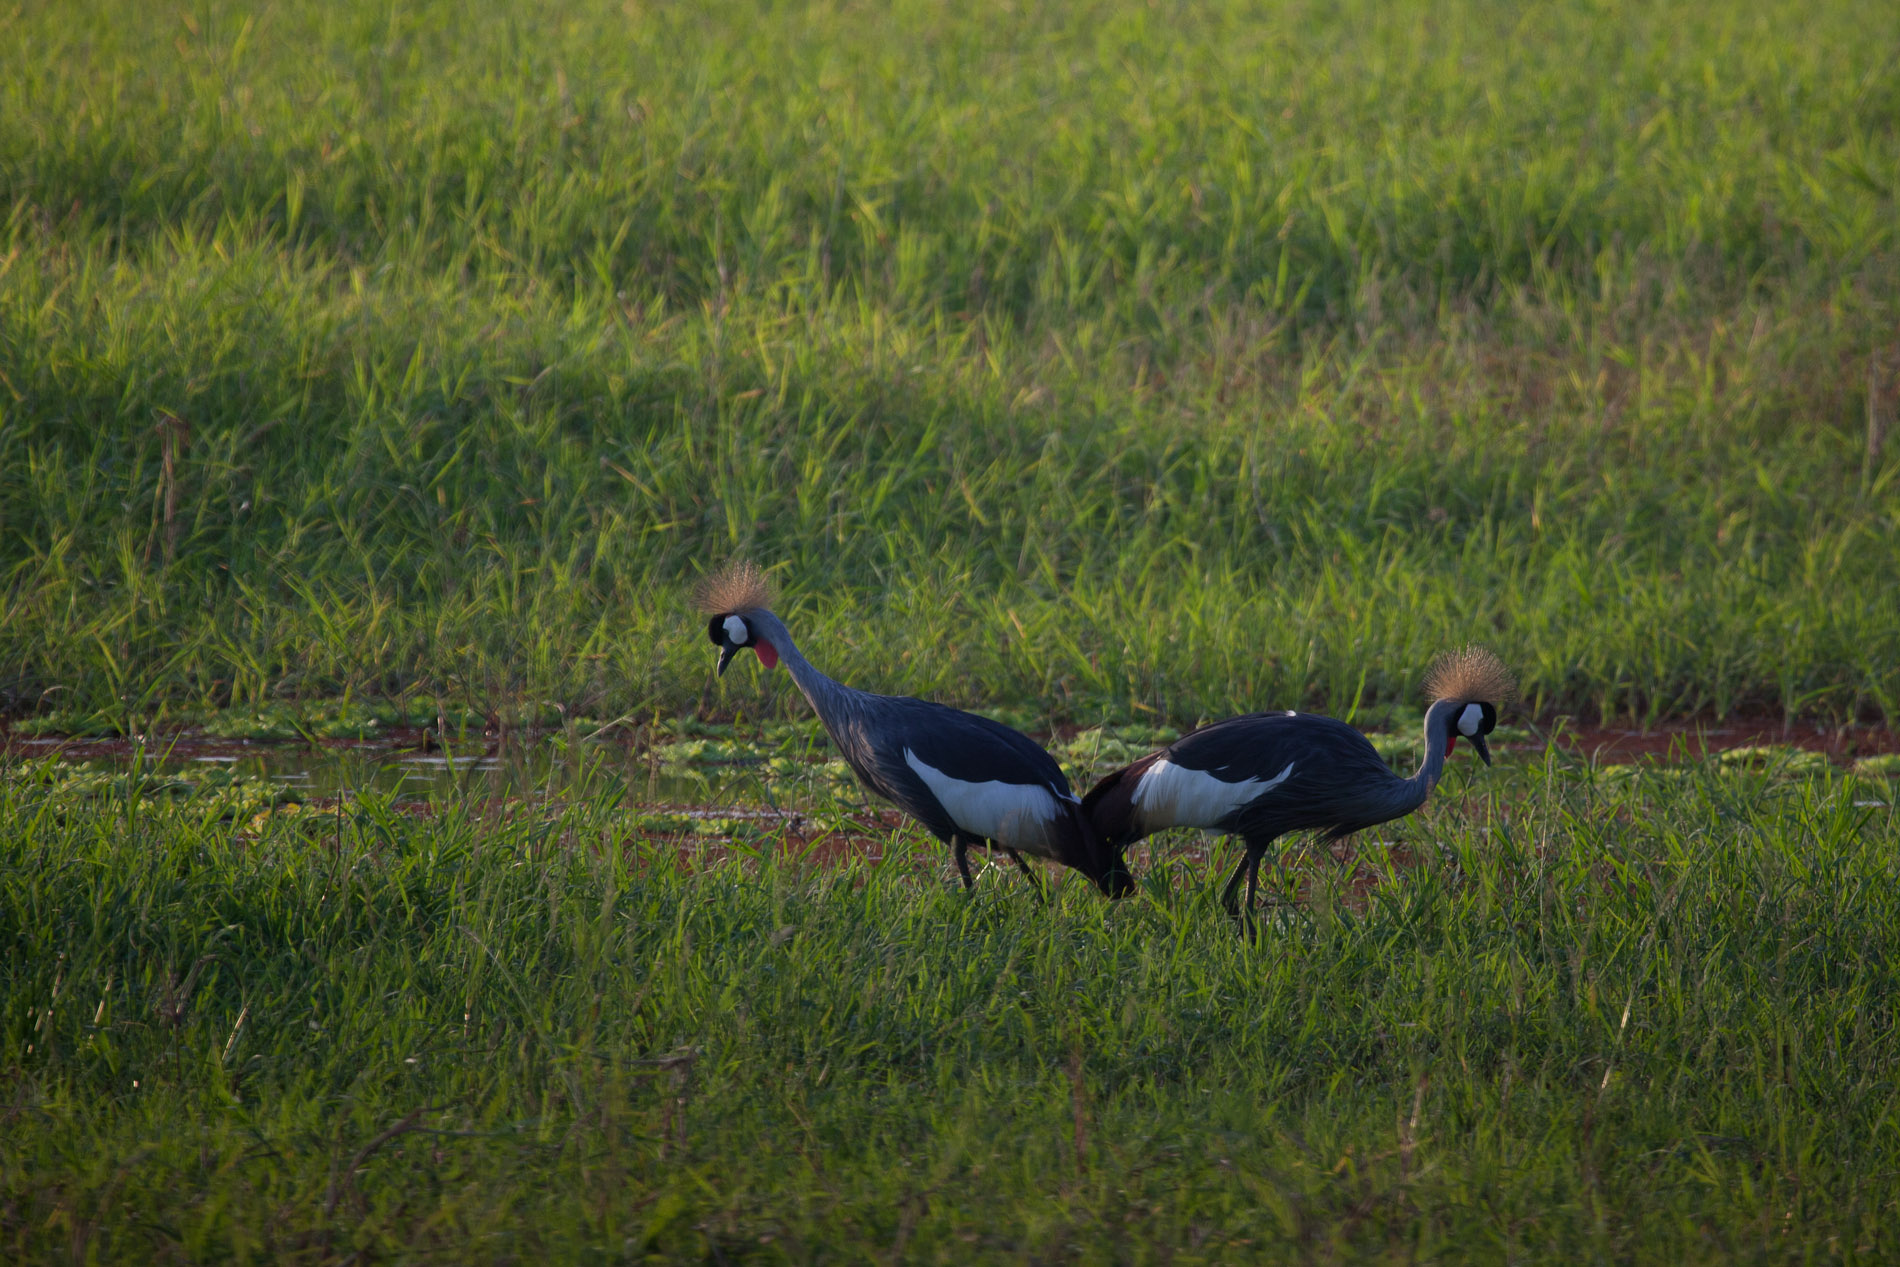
{"x": 1642, "y": 1015}
{"x": 1115, "y": 361}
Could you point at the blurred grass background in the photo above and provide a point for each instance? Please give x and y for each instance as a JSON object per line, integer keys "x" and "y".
{"x": 1114, "y": 359}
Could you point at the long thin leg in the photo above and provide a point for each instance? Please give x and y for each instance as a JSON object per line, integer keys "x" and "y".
{"x": 1253, "y": 876}
{"x": 1230, "y": 896}
{"x": 962, "y": 847}
{"x": 1042, "y": 890}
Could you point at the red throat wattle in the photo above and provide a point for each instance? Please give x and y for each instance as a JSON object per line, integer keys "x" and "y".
{"x": 768, "y": 654}
{"x": 1451, "y": 741}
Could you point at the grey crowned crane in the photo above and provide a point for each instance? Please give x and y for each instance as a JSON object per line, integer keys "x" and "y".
{"x": 970, "y": 780}
{"x": 1266, "y": 774}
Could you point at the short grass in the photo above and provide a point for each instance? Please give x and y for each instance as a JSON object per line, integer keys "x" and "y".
{"x": 1112, "y": 360}
{"x": 1633, "y": 1016}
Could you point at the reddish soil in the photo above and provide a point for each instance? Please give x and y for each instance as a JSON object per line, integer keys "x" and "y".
{"x": 1695, "y": 739}
{"x": 1609, "y": 743}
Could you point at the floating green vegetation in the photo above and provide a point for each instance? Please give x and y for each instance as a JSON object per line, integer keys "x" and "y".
{"x": 282, "y": 724}
{"x": 71, "y": 724}
{"x": 707, "y": 752}
{"x": 663, "y": 823}
{"x": 291, "y": 722}
{"x": 1779, "y": 758}
{"x": 207, "y": 790}
{"x": 1104, "y": 746}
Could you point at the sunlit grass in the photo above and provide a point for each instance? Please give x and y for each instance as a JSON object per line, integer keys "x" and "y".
{"x": 1112, "y": 362}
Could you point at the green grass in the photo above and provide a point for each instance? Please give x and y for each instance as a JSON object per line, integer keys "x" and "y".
{"x": 1105, "y": 361}
{"x": 1102, "y": 363}
{"x": 1643, "y": 1018}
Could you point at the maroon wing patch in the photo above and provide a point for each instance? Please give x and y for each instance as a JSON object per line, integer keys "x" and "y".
{"x": 1110, "y": 804}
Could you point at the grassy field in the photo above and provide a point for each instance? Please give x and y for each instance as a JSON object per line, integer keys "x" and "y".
{"x": 1599, "y": 1016}
{"x": 1115, "y": 362}
{"x": 1112, "y": 360}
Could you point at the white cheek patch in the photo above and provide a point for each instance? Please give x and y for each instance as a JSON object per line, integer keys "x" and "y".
{"x": 1470, "y": 720}
{"x": 1013, "y": 814}
{"x": 1173, "y": 796}
{"x": 736, "y": 632}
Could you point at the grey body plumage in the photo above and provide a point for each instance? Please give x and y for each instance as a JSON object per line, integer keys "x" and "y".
{"x": 1264, "y": 775}
{"x": 968, "y": 779}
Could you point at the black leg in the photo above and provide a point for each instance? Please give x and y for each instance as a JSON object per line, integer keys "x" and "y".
{"x": 1253, "y": 877}
{"x": 1035, "y": 880}
{"x": 962, "y": 847}
{"x": 1230, "y": 896}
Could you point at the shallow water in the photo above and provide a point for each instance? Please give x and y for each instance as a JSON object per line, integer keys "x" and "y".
{"x": 535, "y": 769}
{"x": 549, "y": 766}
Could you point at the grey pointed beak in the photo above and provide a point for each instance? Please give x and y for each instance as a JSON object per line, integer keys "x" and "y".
{"x": 726, "y": 652}
{"x": 1484, "y": 750}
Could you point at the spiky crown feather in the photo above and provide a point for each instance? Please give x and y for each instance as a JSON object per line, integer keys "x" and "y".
{"x": 1471, "y": 673}
{"x": 739, "y": 586}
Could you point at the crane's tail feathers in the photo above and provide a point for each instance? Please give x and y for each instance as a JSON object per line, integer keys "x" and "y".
{"x": 739, "y": 586}
{"x": 1470, "y": 673}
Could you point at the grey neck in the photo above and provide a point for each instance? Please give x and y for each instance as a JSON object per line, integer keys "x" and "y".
{"x": 1437, "y": 735}
{"x": 835, "y": 703}
{"x": 1407, "y": 795}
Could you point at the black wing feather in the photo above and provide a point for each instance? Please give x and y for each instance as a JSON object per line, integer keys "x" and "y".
{"x": 1260, "y": 745}
{"x": 975, "y": 749}
{"x": 1333, "y": 767}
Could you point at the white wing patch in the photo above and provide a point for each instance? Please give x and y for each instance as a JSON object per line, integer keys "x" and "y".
{"x": 1013, "y": 814}
{"x": 1470, "y": 720}
{"x": 1174, "y": 796}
